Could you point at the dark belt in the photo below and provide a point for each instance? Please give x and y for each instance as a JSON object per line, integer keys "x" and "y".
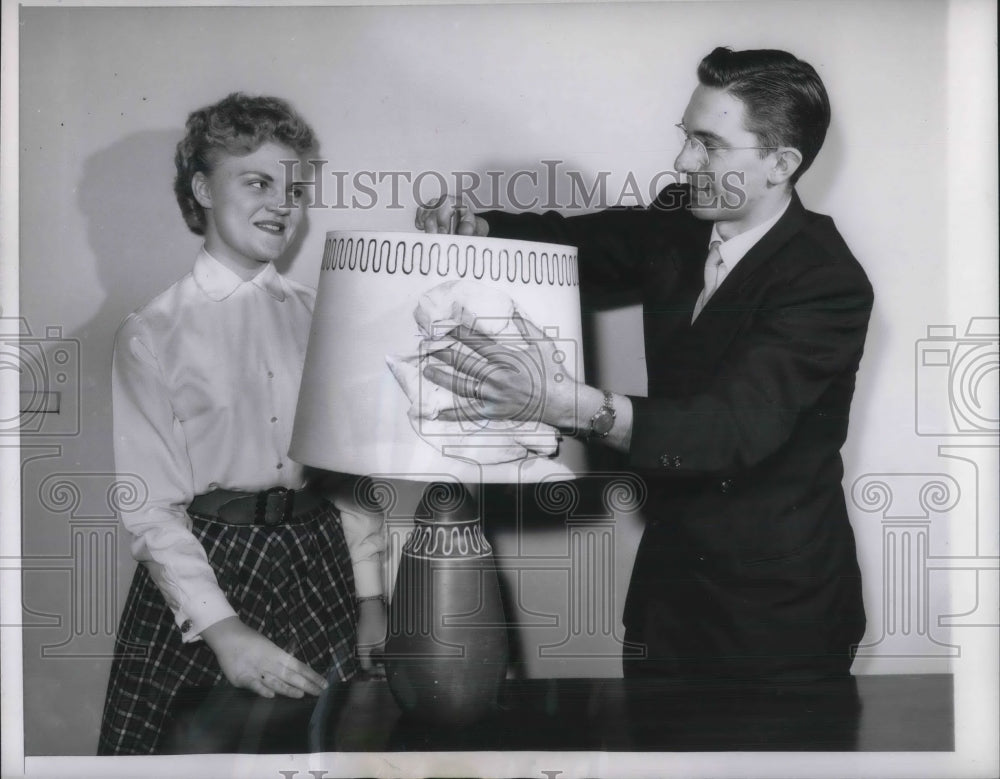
{"x": 276, "y": 506}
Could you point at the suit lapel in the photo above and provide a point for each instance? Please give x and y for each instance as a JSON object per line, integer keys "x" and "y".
{"x": 700, "y": 346}
{"x": 728, "y": 297}
{"x": 784, "y": 230}
{"x": 677, "y": 279}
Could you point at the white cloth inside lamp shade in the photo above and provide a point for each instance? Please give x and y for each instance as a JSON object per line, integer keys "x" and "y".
{"x": 385, "y": 302}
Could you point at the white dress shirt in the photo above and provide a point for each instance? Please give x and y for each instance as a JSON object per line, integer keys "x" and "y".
{"x": 205, "y": 381}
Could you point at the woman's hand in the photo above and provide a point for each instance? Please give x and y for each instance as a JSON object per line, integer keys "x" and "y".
{"x": 372, "y": 624}
{"x": 250, "y": 660}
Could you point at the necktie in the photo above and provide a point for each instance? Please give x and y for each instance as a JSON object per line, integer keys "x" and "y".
{"x": 714, "y": 274}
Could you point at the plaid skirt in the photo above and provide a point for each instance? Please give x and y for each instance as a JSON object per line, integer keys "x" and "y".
{"x": 291, "y": 582}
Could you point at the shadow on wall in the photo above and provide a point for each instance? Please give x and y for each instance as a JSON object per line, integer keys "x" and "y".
{"x": 137, "y": 241}
{"x": 134, "y": 228}
{"x": 139, "y": 245}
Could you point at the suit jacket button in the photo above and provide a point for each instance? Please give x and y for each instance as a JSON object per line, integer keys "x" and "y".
{"x": 677, "y": 461}
{"x": 726, "y": 485}
{"x": 665, "y": 460}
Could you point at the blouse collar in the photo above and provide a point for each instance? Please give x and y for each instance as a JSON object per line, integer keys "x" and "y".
{"x": 219, "y": 282}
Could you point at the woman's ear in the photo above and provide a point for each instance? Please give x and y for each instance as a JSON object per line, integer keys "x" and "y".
{"x": 201, "y": 189}
{"x": 787, "y": 161}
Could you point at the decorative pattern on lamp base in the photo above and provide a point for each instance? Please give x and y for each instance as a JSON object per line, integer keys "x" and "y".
{"x": 446, "y": 654}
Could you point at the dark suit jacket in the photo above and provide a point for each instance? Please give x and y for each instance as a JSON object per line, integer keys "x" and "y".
{"x": 747, "y": 565}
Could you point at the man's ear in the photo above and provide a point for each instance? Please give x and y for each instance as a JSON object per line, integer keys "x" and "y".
{"x": 202, "y": 191}
{"x": 787, "y": 161}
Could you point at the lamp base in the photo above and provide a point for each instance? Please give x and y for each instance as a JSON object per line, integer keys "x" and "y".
{"x": 446, "y": 652}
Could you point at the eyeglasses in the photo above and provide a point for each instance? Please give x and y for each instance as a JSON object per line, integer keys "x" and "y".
{"x": 703, "y": 152}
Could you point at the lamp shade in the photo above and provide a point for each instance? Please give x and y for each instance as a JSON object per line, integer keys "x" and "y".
{"x": 386, "y": 303}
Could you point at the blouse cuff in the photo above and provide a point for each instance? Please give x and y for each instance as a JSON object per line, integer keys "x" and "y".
{"x": 202, "y": 613}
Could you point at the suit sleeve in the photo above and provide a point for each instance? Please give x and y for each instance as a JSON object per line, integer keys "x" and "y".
{"x": 808, "y": 337}
{"x": 609, "y": 243}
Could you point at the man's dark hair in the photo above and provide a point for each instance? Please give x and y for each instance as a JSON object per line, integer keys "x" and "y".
{"x": 786, "y": 102}
{"x": 238, "y": 124}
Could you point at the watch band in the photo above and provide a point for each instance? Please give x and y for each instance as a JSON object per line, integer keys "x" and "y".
{"x": 604, "y": 419}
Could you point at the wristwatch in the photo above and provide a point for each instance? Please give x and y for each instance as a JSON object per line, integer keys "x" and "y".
{"x": 602, "y": 422}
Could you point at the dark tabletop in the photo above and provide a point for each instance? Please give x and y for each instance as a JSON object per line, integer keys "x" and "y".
{"x": 866, "y": 713}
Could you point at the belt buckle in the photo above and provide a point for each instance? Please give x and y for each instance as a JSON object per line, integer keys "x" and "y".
{"x": 274, "y": 506}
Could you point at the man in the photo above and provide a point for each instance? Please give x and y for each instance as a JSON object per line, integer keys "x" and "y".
{"x": 747, "y": 567}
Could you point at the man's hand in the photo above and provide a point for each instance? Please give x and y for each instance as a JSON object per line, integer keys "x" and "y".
{"x": 372, "y": 625}
{"x": 250, "y": 660}
{"x": 496, "y": 378}
{"x": 450, "y": 216}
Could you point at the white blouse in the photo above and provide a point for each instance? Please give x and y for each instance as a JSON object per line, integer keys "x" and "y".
{"x": 205, "y": 381}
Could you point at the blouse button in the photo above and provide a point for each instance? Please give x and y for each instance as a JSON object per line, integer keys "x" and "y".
{"x": 274, "y": 419}
{"x": 270, "y": 375}
{"x": 280, "y": 466}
